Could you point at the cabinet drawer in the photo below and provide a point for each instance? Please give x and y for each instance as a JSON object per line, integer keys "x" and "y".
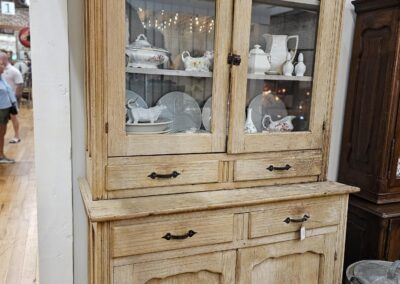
{"x": 279, "y": 165}
{"x": 168, "y": 235}
{"x": 161, "y": 174}
{"x": 271, "y": 221}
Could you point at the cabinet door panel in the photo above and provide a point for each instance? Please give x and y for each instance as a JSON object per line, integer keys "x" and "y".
{"x": 307, "y": 261}
{"x": 213, "y": 268}
{"x": 274, "y": 109}
{"x": 393, "y": 247}
{"x": 371, "y": 106}
{"x": 173, "y": 57}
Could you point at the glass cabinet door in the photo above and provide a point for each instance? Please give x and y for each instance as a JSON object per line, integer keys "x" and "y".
{"x": 278, "y": 94}
{"x": 173, "y": 97}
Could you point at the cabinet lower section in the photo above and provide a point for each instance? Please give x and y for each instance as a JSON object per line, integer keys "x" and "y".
{"x": 373, "y": 231}
{"x": 281, "y": 240}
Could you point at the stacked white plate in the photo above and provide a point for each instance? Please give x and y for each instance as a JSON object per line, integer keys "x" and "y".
{"x": 158, "y": 127}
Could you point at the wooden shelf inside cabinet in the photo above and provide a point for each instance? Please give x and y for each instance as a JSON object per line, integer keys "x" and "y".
{"x": 306, "y": 4}
{"x": 168, "y": 72}
{"x": 279, "y": 77}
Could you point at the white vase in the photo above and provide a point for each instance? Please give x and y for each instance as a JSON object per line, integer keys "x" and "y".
{"x": 300, "y": 67}
{"x": 288, "y": 66}
{"x": 277, "y": 48}
{"x": 249, "y": 127}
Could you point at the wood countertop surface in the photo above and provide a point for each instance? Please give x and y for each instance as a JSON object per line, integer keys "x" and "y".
{"x": 129, "y": 208}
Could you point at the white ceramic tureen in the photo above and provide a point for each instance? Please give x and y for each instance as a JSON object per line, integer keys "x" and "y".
{"x": 141, "y": 55}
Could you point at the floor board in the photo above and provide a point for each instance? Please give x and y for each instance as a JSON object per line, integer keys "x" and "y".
{"x": 18, "y": 215}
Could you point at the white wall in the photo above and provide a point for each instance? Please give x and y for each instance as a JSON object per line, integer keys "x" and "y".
{"x": 59, "y": 105}
{"x": 76, "y": 61}
{"x": 341, "y": 90}
{"x": 50, "y": 56}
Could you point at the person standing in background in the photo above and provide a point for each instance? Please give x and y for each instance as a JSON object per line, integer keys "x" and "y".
{"x": 16, "y": 82}
{"x": 7, "y": 98}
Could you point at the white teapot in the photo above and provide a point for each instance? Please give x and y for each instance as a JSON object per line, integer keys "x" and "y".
{"x": 282, "y": 125}
{"x": 259, "y": 61}
{"x": 199, "y": 64}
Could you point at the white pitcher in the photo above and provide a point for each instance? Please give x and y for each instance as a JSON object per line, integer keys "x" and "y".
{"x": 277, "y": 48}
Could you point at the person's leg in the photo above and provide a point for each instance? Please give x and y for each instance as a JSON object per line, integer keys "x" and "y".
{"x": 3, "y": 128}
{"x": 4, "y": 117}
{"x": 15, "y": 123}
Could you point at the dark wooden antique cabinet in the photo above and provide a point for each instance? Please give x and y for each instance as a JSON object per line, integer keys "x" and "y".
{"x": 373, "y": 231}
{"x": 370, "y": 153}
{"x": 370, "y": 144}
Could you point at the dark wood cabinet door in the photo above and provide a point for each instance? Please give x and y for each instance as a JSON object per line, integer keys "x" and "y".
{"x": 366, "y": 235}
{"x": 393, "y": 244}
{"x": 372, "y": 101}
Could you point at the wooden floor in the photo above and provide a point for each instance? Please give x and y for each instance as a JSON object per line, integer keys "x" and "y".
{"x": 18, "y": 216}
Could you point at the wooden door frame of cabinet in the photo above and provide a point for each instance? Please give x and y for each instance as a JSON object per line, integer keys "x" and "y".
{"x": 394, "y": 119}
{"x": 99, "y": 242}
{"x": 122, "y": 144}
{"x": 95, "y": 71}
{"x": 324, "y": 86}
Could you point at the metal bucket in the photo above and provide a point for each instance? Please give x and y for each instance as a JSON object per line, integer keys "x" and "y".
{"x": 373, "y": 272}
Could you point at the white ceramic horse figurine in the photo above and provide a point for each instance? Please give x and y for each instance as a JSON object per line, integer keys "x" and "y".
{"x": 145, "y": 114}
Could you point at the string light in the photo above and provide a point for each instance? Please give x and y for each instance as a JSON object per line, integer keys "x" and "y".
{"x": 205, "y": 24}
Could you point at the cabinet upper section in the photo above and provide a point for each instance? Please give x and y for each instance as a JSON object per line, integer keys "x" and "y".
{"x": 209, "y": 76}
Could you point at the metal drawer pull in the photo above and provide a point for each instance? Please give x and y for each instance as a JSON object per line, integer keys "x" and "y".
{"x": 289, "y": 220}
{"x": 189, "y": 234}
{"x": 154, "y": 175}
{"x": 273, "y": 168}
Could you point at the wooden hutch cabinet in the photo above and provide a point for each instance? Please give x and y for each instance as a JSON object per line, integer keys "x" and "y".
{"x": 370, "y": 144}
{"x": 208, "y": 125}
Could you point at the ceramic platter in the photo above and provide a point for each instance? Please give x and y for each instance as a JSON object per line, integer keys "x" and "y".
{"x": 206, "y": 114}
{"x": 150, "y": 133}
{"x": 161, "y": 126}
{"x": 266, "y": 104}
{"x": 183, "y": 110}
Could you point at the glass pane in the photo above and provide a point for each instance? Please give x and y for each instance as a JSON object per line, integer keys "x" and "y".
{"x": 398, "y": 169}
{"x": 169, "y": 64}
{"x": 281, "y": 61}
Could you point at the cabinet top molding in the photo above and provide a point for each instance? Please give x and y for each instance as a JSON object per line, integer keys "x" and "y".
{"x": 362, "y": 6}
{"x": 120, "y": 209}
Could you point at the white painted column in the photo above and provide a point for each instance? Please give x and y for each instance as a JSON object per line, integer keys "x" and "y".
{"x": 341, "y": 89}
{"x": 51, "y": 101}
{"x": 76, "y": 63}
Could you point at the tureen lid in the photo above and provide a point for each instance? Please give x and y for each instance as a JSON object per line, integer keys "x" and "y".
{"x": 141, "y": 41}
{"x": 257, "y": 50}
